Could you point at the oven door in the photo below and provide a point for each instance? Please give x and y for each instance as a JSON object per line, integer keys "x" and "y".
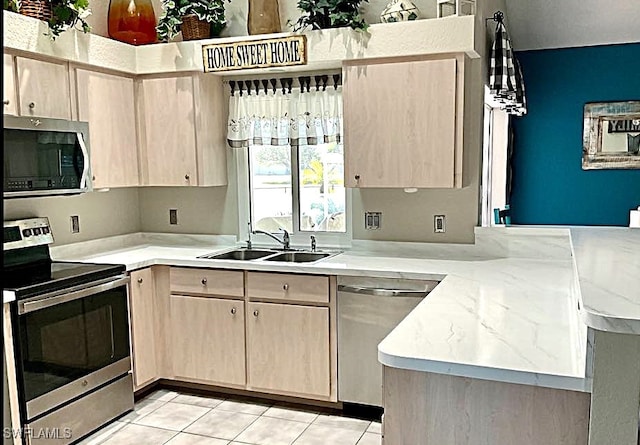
{"x": 70, "y": 343}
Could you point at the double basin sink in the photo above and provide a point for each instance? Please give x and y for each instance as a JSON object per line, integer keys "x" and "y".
{"x": 289, "y": 256}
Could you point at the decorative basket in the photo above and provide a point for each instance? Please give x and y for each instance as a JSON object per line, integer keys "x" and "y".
{"x": 38, "y": 9}
{"x": 195, "y": 29}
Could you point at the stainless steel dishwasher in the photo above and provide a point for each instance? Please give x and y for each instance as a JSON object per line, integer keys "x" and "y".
{"x": 368, "y": 309}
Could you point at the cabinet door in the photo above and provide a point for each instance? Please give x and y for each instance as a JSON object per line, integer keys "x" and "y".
{"x": 400, "y": 124}
{"x": 288, "y": 349}
{"x": 207, "y": 337}
{"x": 43, "y": 89}
{"x": 9, "y": 86}
{"x": 169, "y": 131}
{"x": 143, "y": 339}
{"x": 107, "y": 103}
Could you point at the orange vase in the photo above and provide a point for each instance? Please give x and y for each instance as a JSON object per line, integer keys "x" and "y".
{"x": 132, "y": 21}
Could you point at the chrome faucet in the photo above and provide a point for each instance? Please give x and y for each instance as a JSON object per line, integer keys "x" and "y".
{"x": 285, "y": 241}
{"x": 249, "y": 243}
{"x": 313, "y": 243}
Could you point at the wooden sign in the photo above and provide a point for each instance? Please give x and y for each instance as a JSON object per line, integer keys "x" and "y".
{"x": 284, "y": 51}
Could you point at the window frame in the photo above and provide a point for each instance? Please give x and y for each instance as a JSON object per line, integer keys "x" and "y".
{"x": 299, "y": 239}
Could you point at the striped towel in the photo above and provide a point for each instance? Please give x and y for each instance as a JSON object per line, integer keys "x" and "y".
{"x": 505, "y": 76}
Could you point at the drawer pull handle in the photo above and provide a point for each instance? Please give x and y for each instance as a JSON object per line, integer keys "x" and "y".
{"x": 85, "y": 383}
{"x": 32, "y": 105}
{"x": 285, "y": 287}
{"x": 6, "y": 102}
{"x": 204, "y": 281}
{"x": 187, "y": 177}
{"x": 256, "y": 313}
{"x": 233, "y": 311}
{"x": 140, "y": 280}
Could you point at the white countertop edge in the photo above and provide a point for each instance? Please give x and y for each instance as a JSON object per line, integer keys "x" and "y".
{"x": 569, "y": 383}
{"x": 609, "y": 323}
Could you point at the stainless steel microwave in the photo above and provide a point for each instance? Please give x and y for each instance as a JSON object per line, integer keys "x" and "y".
{"x": 44, "y": 157}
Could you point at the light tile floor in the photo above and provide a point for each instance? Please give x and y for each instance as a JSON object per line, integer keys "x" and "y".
{"x": 172, "y": 418}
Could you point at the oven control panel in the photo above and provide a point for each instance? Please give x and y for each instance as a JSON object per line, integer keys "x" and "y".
{"x": 26, "y": 233}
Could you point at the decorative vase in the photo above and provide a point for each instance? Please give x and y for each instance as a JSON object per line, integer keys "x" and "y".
{"x": 399, "y": 11}
{"x": 132, "y": 21}
{"x": 263, "y": 17}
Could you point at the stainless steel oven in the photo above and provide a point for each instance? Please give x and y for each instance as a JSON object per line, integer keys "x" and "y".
{"x": 45, "y": 157}
{"x": 70, "y": 337}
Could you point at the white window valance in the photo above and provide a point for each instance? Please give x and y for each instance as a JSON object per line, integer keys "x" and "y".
{"x": 290, "y": 118}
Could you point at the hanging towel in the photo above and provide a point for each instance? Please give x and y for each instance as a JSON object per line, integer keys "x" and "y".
{"x": 505, "y": 76}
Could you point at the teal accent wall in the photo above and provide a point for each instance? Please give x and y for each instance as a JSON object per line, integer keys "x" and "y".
{"x": 549, "y": 185}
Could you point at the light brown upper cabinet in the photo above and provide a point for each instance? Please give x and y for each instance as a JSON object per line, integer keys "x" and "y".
{"x": 9, "y": 86}
{"x": 43, "y": 88}
{"x": 403, "y": 123}
{"x": 107, "y": 102}
{"x": 142, "y": 305}
{"x": 183, "y": 130}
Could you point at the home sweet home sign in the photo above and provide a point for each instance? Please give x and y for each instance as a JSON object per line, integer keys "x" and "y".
{"x": 284, "y": 51}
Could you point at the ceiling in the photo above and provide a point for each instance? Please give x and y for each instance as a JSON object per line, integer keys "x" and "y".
{"x": 538, "y": 24}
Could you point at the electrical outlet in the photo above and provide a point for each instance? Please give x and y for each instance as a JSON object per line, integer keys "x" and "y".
{"x": 372, "y": 220}
{"x": 75, "y": 224}
{"x": 173, "y": 216}
{"x": 439, "y": 224}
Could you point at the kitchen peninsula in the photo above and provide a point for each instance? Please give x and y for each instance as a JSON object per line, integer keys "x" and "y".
{"x": 510, "y": 318}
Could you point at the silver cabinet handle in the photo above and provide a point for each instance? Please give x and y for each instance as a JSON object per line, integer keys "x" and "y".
{"x": 187, "y": 176}
{"x": 256, "y": 313}
{"x": 85, "y": 383}
{"x": 204, "y": 281}
{"x": 233, "y": 311}
{"x": 285, "y": 287}
{"x": 32, "y": 105}
{"x": 384, "y": 292}
{"x": 140, "y": 280}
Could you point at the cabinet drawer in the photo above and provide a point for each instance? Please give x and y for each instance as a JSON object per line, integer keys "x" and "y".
{"x": 229, "y": 283}
{"x": 278, "y": 286}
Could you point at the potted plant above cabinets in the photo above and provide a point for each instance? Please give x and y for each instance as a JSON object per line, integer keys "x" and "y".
{"x": 197, "y": 19}
{"x": 60, "y": 15}
{"x": 323, "y": 14}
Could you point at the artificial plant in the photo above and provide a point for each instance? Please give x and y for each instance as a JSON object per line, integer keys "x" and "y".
{"x": 170, "y": 21}
{"x": 65, "y": 14}
{"x": 322, "y": 14}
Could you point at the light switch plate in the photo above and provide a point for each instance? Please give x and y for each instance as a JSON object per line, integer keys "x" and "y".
{"x": 372, "y": 220}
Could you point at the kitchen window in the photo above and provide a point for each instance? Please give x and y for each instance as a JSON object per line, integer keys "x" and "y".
{"x": 290, "y": 162}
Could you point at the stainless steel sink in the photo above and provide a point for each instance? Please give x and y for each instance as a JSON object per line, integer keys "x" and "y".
{"x": 299, "y": 257}
{"x": 239, "y": 254}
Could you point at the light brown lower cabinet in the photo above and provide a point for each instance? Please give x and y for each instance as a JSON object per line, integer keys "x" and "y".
{"x": 143, "y": 339}
{"x": 288, "y": 349}
{"x": 207, "y": 340}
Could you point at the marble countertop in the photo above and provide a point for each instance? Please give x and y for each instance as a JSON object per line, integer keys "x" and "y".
{"x": 607, "y": 262}
{"x": 506, "y": 308}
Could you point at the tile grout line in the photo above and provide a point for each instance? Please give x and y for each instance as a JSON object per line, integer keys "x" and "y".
{"x": 245, "y": 428}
